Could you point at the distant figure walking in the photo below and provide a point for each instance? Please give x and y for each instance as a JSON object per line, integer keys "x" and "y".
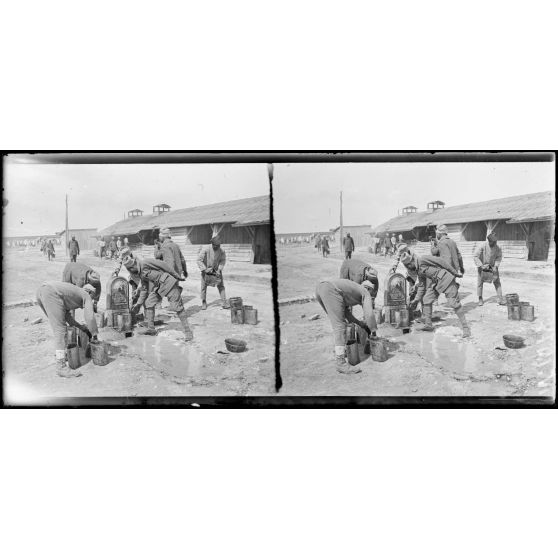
{"x": 325, "y": 247}
{"x": 50, "y": 249}
{"x": 74, "y": 249}
{"x": 348, "y": 246}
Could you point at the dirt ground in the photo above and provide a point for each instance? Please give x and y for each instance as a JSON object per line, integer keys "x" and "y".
{"x": 140, "y": 366}
{"x": 440, "y": 363}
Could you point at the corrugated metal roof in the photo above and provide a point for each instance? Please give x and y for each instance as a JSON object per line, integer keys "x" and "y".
{"x": 240, "y": 212}
{"x": 537, "y": 206}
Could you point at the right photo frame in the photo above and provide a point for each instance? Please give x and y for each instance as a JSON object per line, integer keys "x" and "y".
{"x": 416, "y": 276}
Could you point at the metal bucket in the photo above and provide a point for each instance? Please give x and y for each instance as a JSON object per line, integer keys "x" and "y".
{"x": 378, "y": 350}
{"x": 527, "y": 312}
{"x": 73, "y": 356}
{"x": 514, "y": 312}
{"x": 250, "y": 315}
{"x": 238, "y": 315}
{"x": 99, "y": 353}
{"x": 487, "y": 277}
{"x": 402, "y": 318}
{"x": 352, "y": 353}
{"x": 71, "y": 336}
{"x": 512, "y": 299}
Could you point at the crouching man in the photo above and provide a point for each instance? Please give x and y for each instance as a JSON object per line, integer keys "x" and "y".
{"x": 79, "y": 274}
{"x": 156, "y": 280}
{"x": 359, "y": 271}
{"x": 337, "y": 297}
{"x": 435, "y": 276}
{"x": 58, "y": 300}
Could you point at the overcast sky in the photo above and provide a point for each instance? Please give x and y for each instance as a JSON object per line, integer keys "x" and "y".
{"x": 99, "y": 195}
{"x": 306, "y": 196}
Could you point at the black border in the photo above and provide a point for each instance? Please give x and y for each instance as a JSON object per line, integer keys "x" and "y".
{"x": 279, "y": 401}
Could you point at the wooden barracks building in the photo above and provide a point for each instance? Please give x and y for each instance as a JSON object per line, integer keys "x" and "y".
{"x": 523, "y": 224}
{"x": 243, "y": 225}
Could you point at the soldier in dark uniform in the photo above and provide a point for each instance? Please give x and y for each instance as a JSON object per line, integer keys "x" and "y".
{"x": 325, "y": 247}
{"x": 170, "y": 253}
{"x": 79, "y": 274}
{"x": 73, "y": 245}
{"x": 156, "y": 280}
{"x": 348, "y": 246}
{"x": 488, "y": 257}
{"x": 49, "y": 249}
{"x": 435, "y": 276}
{"x": 337, "y": 297}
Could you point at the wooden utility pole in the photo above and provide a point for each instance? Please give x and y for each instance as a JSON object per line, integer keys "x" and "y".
{"x": 341, "y": 221}
{"x": 67, "y": 232}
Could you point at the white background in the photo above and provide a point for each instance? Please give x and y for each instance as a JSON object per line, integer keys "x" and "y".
{"x": 290, "y": 75}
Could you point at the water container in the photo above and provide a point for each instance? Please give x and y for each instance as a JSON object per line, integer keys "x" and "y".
{"x": 527, "y": 312}
{"x": 350, "y": 333}
{"x": 378, "y": 350}
{"x": 514, "y": 312}
{"x": 235, "y": 302}
{"x": 99, "y": 353}
{"x": 73, "y": 356}
{"x": 352, "y": 353}
{"x": 250, "y": 315}
{"x": 512, "y": 299}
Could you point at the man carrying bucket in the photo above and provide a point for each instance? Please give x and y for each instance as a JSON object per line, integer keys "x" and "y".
{"x": 337, "y": 297}
{"x": 211, "y": 261}
{"x": 488, "y": 258}
{"x": 435, "y": 276}
{"x": 58, "y": 300}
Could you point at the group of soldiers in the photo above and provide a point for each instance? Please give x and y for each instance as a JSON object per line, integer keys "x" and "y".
{"x": 151, "y": 280}
{"x": 322, "y": 244}
{"x": 112, "y": 248}
{"x": 428, "y": 275}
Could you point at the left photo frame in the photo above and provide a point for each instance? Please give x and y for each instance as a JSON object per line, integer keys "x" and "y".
{"x": 133, "y": 280}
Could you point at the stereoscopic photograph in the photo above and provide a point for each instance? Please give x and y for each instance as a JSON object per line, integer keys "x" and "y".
{"x": 125, "y": 280}
{"x": 411, "y": 279}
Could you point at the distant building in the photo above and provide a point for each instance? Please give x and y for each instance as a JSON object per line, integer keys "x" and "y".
{"x": 360, "y": 234}
{"x": 523, "y": 224}
{"x": 243, "y": 226}
{"x": 86, "y": 238}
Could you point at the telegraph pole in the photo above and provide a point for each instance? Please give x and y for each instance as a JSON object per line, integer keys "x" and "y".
{"x": 67, "y": 233}
{"x": 341, "y": 220}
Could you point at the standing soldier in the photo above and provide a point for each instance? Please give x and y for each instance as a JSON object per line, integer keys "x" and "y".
{"x": 118, "y": 245}
{"x": 447, "y": 249}
{"x": 58, "y": 300}
{"x": 170, "y": 253}
{"x": 488, "y": 257}
{"x": 112, "y": 248}
{"x": 43, "y": 247}
{"x": 211, "y": 261}
{"x": 319, "y": 243}
{"x": 435, "y": 276}
{"x": 337, "y": 297}
{"x": 79, "y": 274}
{"x": 49, "y": 249}
{"x": 325, "y": 247}
{"x": 155, "y": 279}
{"x": 348, "y": 246}
{"x": 73, "y": 245}
{"x": 359, "y": 271}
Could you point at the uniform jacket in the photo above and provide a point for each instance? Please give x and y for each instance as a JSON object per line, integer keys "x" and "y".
{"x": 354, "y": 294}
{"x": 447, "y": 249}
{"x": 434, "y": 272}
{"x": 171, "y": 254}
{"x": 74, "y": 247}
{"x": 50, "y": 247}
{"x": 325, "y": 243}
{"x": 355, "y": 270}
{"x": 348, "y": 244}
{"x": 112, "y": 246}
{"x": 72, "y": 298}
{"x": 209, "y": 258}
{"x": 154, "y": 276}
{"x": 487, "y": 254}
{"x": 78, "y": 274}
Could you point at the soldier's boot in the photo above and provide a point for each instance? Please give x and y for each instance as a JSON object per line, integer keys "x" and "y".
{"x": 427, "y": 316}
{"x": 501, "y": 300}
{"x": 150, "y": 317}
{"x": 204, "y": 305}
{"x": 343, "y": 367}
{"x": 479, "y": 294}
{"x": 224, "y": 300}
{"x": 481, "y": 301}
{"x": 461, "y": 315}
{"x": 188, "y": 335}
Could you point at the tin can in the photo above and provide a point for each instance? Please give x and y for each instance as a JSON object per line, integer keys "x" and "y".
{"x": 514, "y": 312}
{"x": 378, "y": 350}
{"x": 512, "y": 299}
{"x": 352, "y": 353}
{"x": 73, "y": 356}
{"x": 350, "y": 333}
{"x": 250, "y": 315}
{"x": 527, "y": 312}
